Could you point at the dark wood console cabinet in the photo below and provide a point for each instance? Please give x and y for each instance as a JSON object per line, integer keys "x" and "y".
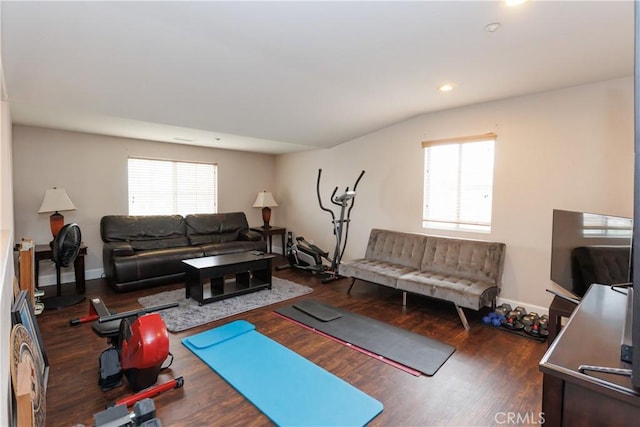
{"x": 592, "y": 336}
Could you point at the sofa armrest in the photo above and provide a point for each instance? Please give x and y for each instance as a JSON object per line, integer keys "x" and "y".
{"x": 251, "y": 236}
{"x": 118, "y": 248}
{"x": 111, "y": 250}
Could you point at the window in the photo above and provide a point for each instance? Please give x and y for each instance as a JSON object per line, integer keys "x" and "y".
{"x": 164, "y": 187}
{"x": 458, "y": 183}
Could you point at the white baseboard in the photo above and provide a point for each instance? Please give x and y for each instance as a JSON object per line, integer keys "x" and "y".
{"x": 69, "y": 277}
{"x": 529, "y": 307}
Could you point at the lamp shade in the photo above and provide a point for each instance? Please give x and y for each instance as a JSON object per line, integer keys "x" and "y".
{"x": 264, "y": 200}
{"x": 55, "y": 200}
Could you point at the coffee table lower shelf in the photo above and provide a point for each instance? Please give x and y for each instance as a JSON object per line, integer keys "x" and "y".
{"x": 230, "y": 288}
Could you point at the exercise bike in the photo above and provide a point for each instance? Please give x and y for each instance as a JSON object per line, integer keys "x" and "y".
{"x": 306, "y": 256}
{"x": 138, "y": 347}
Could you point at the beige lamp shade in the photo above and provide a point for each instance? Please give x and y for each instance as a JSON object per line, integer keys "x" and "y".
{"x": 265, "y": 201}
{"x": 56, "y": 200}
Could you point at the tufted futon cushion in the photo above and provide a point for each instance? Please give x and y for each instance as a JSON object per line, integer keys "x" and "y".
{"x": 388, "y": 257}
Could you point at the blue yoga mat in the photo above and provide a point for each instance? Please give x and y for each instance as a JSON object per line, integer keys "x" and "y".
{"x": 286, "y": 387}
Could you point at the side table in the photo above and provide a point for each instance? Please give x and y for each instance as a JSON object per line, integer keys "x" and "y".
{"x": 45, "y": 252}
{"x": 558, "y": 309}
{"x": 268, "y": 234}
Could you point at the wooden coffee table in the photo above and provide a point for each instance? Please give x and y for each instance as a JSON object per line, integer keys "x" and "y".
{"x": 209, "y": 278}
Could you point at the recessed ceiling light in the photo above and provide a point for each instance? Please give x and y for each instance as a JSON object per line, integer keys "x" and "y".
{"x": 447, "y": 87}
{"x": 492, "y": 28}
{"x": 512, "y": 3}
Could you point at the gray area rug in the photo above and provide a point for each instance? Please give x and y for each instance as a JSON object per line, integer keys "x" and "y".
{"x": 189, "y": 314}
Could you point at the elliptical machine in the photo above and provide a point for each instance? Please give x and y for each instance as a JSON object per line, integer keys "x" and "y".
{"x": 306, "y": 256}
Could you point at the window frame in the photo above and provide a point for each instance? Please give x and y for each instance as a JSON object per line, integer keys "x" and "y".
{"x": 454, "y": 219}
{"x": 172, "y": 205}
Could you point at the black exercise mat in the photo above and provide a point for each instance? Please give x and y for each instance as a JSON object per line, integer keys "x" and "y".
{"x": 415, "y": 351}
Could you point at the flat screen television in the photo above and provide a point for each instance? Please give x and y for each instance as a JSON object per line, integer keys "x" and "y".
{"x": 590, "y": 248}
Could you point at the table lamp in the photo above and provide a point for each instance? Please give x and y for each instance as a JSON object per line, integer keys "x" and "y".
{"x": 56, "y": 200}
{"x": 265, "y": 201}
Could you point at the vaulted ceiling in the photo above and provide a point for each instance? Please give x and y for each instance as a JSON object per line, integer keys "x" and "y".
{"x": 279, "y": 77}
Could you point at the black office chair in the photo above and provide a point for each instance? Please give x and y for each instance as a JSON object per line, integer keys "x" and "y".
{"x": 65, "y": 249}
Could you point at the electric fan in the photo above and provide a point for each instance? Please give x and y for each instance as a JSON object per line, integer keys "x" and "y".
{"x": 65, "y": 249}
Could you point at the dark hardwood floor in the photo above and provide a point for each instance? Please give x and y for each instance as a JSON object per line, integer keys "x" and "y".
{"x": 491, "y": 374}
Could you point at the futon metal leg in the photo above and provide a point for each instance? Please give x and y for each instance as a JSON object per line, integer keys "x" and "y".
{"x": 463, "y": 318}
{"x": 353, "y": 280}
{"x": 404, "y": 299}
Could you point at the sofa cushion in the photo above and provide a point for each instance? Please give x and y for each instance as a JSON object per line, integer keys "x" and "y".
{"x": 375, "y": 271}
{"x": 404, "y": 249}
{"x": 210, "y": 249}
{"x": 468, "y": 259}
{"x": 215, "y": 228}
{"x": 461, "y": 291}
{"x": 145, "y": 232}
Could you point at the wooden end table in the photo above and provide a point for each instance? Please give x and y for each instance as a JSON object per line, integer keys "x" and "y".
{"x": 268, "y": 234}
{"x": 44, "y": 252}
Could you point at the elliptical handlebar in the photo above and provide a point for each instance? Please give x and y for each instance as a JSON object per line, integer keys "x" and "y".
{"x": 342, "y": 199}
{"x": 353, "y": 202}
{"x": 333, "y": 216}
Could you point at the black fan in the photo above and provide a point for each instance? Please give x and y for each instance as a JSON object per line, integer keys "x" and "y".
{"x": 65, "y": 249}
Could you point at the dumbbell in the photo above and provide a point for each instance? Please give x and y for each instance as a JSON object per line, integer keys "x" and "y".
{"x": 529, "y": 319}
{"x": 521, "y": 311}
{"x": 503, "y": 309}
{"x": 494, "y": 319}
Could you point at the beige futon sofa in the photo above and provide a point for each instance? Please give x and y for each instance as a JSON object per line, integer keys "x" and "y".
{"x": 467, "y": 273}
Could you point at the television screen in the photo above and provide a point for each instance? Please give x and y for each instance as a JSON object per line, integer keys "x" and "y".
{"x": 589, "y": 248}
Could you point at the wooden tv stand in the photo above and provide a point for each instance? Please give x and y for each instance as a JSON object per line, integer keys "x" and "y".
{"x": 592, "y": 336}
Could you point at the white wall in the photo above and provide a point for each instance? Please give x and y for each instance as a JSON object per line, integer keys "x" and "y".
{"x": 566, "y": 149}
{"x": 93, "y": 170}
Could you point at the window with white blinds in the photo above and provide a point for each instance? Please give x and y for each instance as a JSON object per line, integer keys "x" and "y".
{"x": 458, "y": 183}
{"x": 165, "y": 187}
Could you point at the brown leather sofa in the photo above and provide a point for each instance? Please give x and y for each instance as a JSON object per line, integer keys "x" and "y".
{"x": 144, "y": 251}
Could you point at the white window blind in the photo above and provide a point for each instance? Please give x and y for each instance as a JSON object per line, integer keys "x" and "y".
{"x": 458, "y": 183}
{"x": 165, "y": 187}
